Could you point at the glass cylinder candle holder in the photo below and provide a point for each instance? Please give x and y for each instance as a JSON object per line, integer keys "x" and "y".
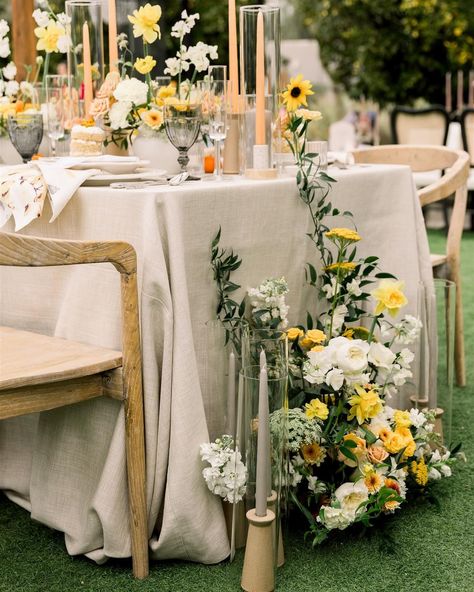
{"x": 260, "y": 86}
{"x": 90, "y": 12}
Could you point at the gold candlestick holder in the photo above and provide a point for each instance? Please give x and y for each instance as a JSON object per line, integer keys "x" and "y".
{"x": 258, "y": 573}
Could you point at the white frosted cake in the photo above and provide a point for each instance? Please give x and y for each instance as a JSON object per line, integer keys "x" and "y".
{"x": 86, "y": 140}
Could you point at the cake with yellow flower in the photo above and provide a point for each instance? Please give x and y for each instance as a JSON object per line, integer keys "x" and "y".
{"x": 86, "y": 139}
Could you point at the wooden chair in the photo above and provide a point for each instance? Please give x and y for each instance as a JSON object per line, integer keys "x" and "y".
{"x": 467, "y": 131}
{"x": 427, "y": 126}
{"x": 39, "y": 373}
{"x": 455, "y": 165}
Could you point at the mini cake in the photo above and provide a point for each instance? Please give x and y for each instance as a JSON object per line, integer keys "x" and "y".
{"x": 86, "y": 139}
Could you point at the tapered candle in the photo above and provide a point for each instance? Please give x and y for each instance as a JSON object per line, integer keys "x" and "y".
{"x": 113, "y": 47}
{"x": 231, "y": 396}
{"x": 260, "y": 83}
{"x": 86, "y": 53}
{"x": 460, "y": 90}
{"x": 233, "y": 59}
{"x": 471, "y": 89}
{"x": 448, "y": 92}
{"x": 263, "y": 444}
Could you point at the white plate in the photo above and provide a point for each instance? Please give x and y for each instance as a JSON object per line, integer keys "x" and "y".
{"x": 113, "y": 167}
{"x": 106, "y": 179}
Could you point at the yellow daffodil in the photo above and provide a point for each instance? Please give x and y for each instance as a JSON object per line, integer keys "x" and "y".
{"x": 153, "y": 118}
{"x": 389, "y": 295}
{"x": 316, "y": 410}
{"x": 294, "y": 333}
{"x": 344, "y": 234}
{"x": 313, "y": 454}
{"x": 365, "y": 404}
{"x": 144, "y": 65}
{"x": 145, "y": 22}
{"x": 48, "y": 37}
{"x": 296, "y": 92}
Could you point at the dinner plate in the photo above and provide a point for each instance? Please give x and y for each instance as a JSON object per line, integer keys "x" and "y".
{"x": 112, "y": 167}
{"x": 105, "y": 179}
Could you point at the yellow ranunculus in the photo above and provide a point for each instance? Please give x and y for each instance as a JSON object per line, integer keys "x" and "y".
{"x": 48, "y": 37}
{"x": 394, "y": 443}
{"x": 294, "y": 333}
{"x": 389, "y": 295}
{"x": 164, "y": 93}
{"x": 365, "y": 404}
{"x": 402, "y": 419}
{"x": 296, "y": 92}
{"x": 144, "y": 65}
{"x": 316, "y": 409}
{"x": 145, "y": 22}
{"x": 153, "y": 118}
{"x": 345, "y": 234}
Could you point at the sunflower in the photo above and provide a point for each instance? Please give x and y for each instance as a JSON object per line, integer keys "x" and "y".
{"x": 296, "y": 92}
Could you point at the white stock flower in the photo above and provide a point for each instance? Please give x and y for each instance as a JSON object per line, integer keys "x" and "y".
{"x": 64, "y": 19}
{"x": 316, "y": 366}
{"x": 335, "y": 518}
{"x": 183, "y": 27}
{"x": 131, "y": 90}
{"x": 434, "y": 474}
{"x": 198, "y": 55}
{"x": 335, "y": 378}
{"x": 4, "y": 28}
{"x": 332, "y": 288}
{"x": 174, "y": 64}
{"x": 338, "y": 318}
{"x": 118, "y": 114}
{"x": 122, "y": 41}
{"x": 446, "y": 470}
{"x": 4, "y": 48}
{"x": 41, "y": 17}
{"x": 400, "y": 375}
{"x": 11, "y": 88}
{"x": 417, "y": 418}
{"x": 64, "y": 43}
{"x": 408, "y": 330}
{"x": 380, "y": 356}
{"x": 405, "y": 358}
{"x": 353, "y": 288}
{"x": 351, "y": 495}
{"x": 9, "y": 71}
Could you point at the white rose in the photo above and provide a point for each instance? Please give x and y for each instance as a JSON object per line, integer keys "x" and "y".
{"x": 336, "y": 518}
{"x": 64, "y": 43}
{"x": 11, "y": 88}
{"x": 4, "y": 48}
{"x": 131, "y": 90}
{"x": 9, "y": 72}
{"x": 118, "y": 115}
{"x": 351, "y": 356}
{"x": 352, "y": 495}
{"x": 4, "y": 28}
{"x": 380, "y": 356}
{"x": 41, "y": 17}
{"x": 335, "y": 378}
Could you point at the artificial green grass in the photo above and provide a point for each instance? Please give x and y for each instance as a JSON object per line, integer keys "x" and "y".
{"x": 423, "y": 548}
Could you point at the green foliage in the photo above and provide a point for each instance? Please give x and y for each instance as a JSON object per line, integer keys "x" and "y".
{"x": 391, "y": 51}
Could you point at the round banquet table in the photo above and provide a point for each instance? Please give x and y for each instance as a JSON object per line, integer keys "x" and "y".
{"x": 67, "y": 466}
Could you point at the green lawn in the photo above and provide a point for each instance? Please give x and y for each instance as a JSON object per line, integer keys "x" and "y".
{"x": 424, "y": 548}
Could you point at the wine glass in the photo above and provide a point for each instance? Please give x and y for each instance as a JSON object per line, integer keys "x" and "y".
{"x": 217, "y": 109}
{"x": 182, "y": 125}
{"x": 26, "y": 132}
{"x": 57, "y": 105}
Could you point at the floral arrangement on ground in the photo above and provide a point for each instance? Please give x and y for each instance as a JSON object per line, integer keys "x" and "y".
{"x": 352, "y": 457}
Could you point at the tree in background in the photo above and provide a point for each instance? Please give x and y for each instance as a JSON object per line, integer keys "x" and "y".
{"x": 391, "y": 51}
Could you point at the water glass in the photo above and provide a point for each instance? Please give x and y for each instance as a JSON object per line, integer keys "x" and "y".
{"x": 321, "y": 149}
{"x": 26, "y": 132}
{"x": 182, "y": 125}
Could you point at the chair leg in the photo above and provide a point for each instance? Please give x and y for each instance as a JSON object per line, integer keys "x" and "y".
{"x": 459, "y": 351}
{"x": 136, "y": 476}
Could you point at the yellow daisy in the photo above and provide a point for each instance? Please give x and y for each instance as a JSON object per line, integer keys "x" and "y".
{"x": 153, "y": 118}
{"x": 296, "y": 92}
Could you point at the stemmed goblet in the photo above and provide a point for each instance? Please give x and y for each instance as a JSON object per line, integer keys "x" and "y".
{"x": 26, "y": 132}
{"x": 182, "y": 125}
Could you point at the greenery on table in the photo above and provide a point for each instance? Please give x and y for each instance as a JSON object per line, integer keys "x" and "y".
{"x": 391, "y": 51}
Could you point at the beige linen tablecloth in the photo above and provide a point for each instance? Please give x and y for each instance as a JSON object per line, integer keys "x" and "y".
{"x": 67, "y": 466}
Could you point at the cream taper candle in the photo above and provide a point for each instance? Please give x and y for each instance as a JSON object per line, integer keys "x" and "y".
{"x": 113, "y": 47}
{"x": 86, "y": 53}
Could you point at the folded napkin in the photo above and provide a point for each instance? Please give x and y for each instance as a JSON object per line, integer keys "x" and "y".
{"x": 23, "y": 190}
{"x": 70, "y": 161}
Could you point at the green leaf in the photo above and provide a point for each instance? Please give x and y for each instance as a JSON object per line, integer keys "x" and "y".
{"x": 309, "y": 321}
{"x": 383, "y": 275}
{"x": 346, "y": 452}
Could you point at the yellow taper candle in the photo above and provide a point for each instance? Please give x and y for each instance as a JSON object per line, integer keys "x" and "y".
{"x": 113, "y": 48}
{"x": 260, "y": 83}
{"x": 86, "y": 53}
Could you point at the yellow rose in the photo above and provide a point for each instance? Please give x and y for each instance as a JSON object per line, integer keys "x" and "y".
{"x": 376, "y": 454}
{"x": 144, "y": 65}
{"x": 344, "y": 234}
{"x": 294, "y": 333}
{"x": 316, "y": 409}
{"x": 389, "y": 295}
{"x": 164, "y": 93}
{"x": 317, "y": 348}
{"x": 408, "y": 441}
{"x": 316, "y": 336}
{"x": 48, "y": 36}
{"x": 144, "y": 21}
{"x": 359, "y": 451}
{"x": 402, "y": 419}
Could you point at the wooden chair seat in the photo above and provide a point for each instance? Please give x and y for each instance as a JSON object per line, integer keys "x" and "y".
{"x": 28, "y": 359}
{"x": 437, "y": 260}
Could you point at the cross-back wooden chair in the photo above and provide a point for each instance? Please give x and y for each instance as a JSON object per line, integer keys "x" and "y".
{"x": 467, "y": 130}
{"x": 39, "y": 373}
{"x": 420, "y": 126}
{"x": 455, "y": 164}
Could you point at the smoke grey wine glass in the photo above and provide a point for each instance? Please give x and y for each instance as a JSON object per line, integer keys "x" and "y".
{"x": 182, "y": 125}
{"x": 26, "y": 132}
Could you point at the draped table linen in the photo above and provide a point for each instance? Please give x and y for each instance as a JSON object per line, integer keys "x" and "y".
{"x": 67, "y": 466}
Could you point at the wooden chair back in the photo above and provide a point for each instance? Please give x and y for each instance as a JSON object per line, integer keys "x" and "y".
{"x": 467, "y": 130}
{"x": 428, "y": 126}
